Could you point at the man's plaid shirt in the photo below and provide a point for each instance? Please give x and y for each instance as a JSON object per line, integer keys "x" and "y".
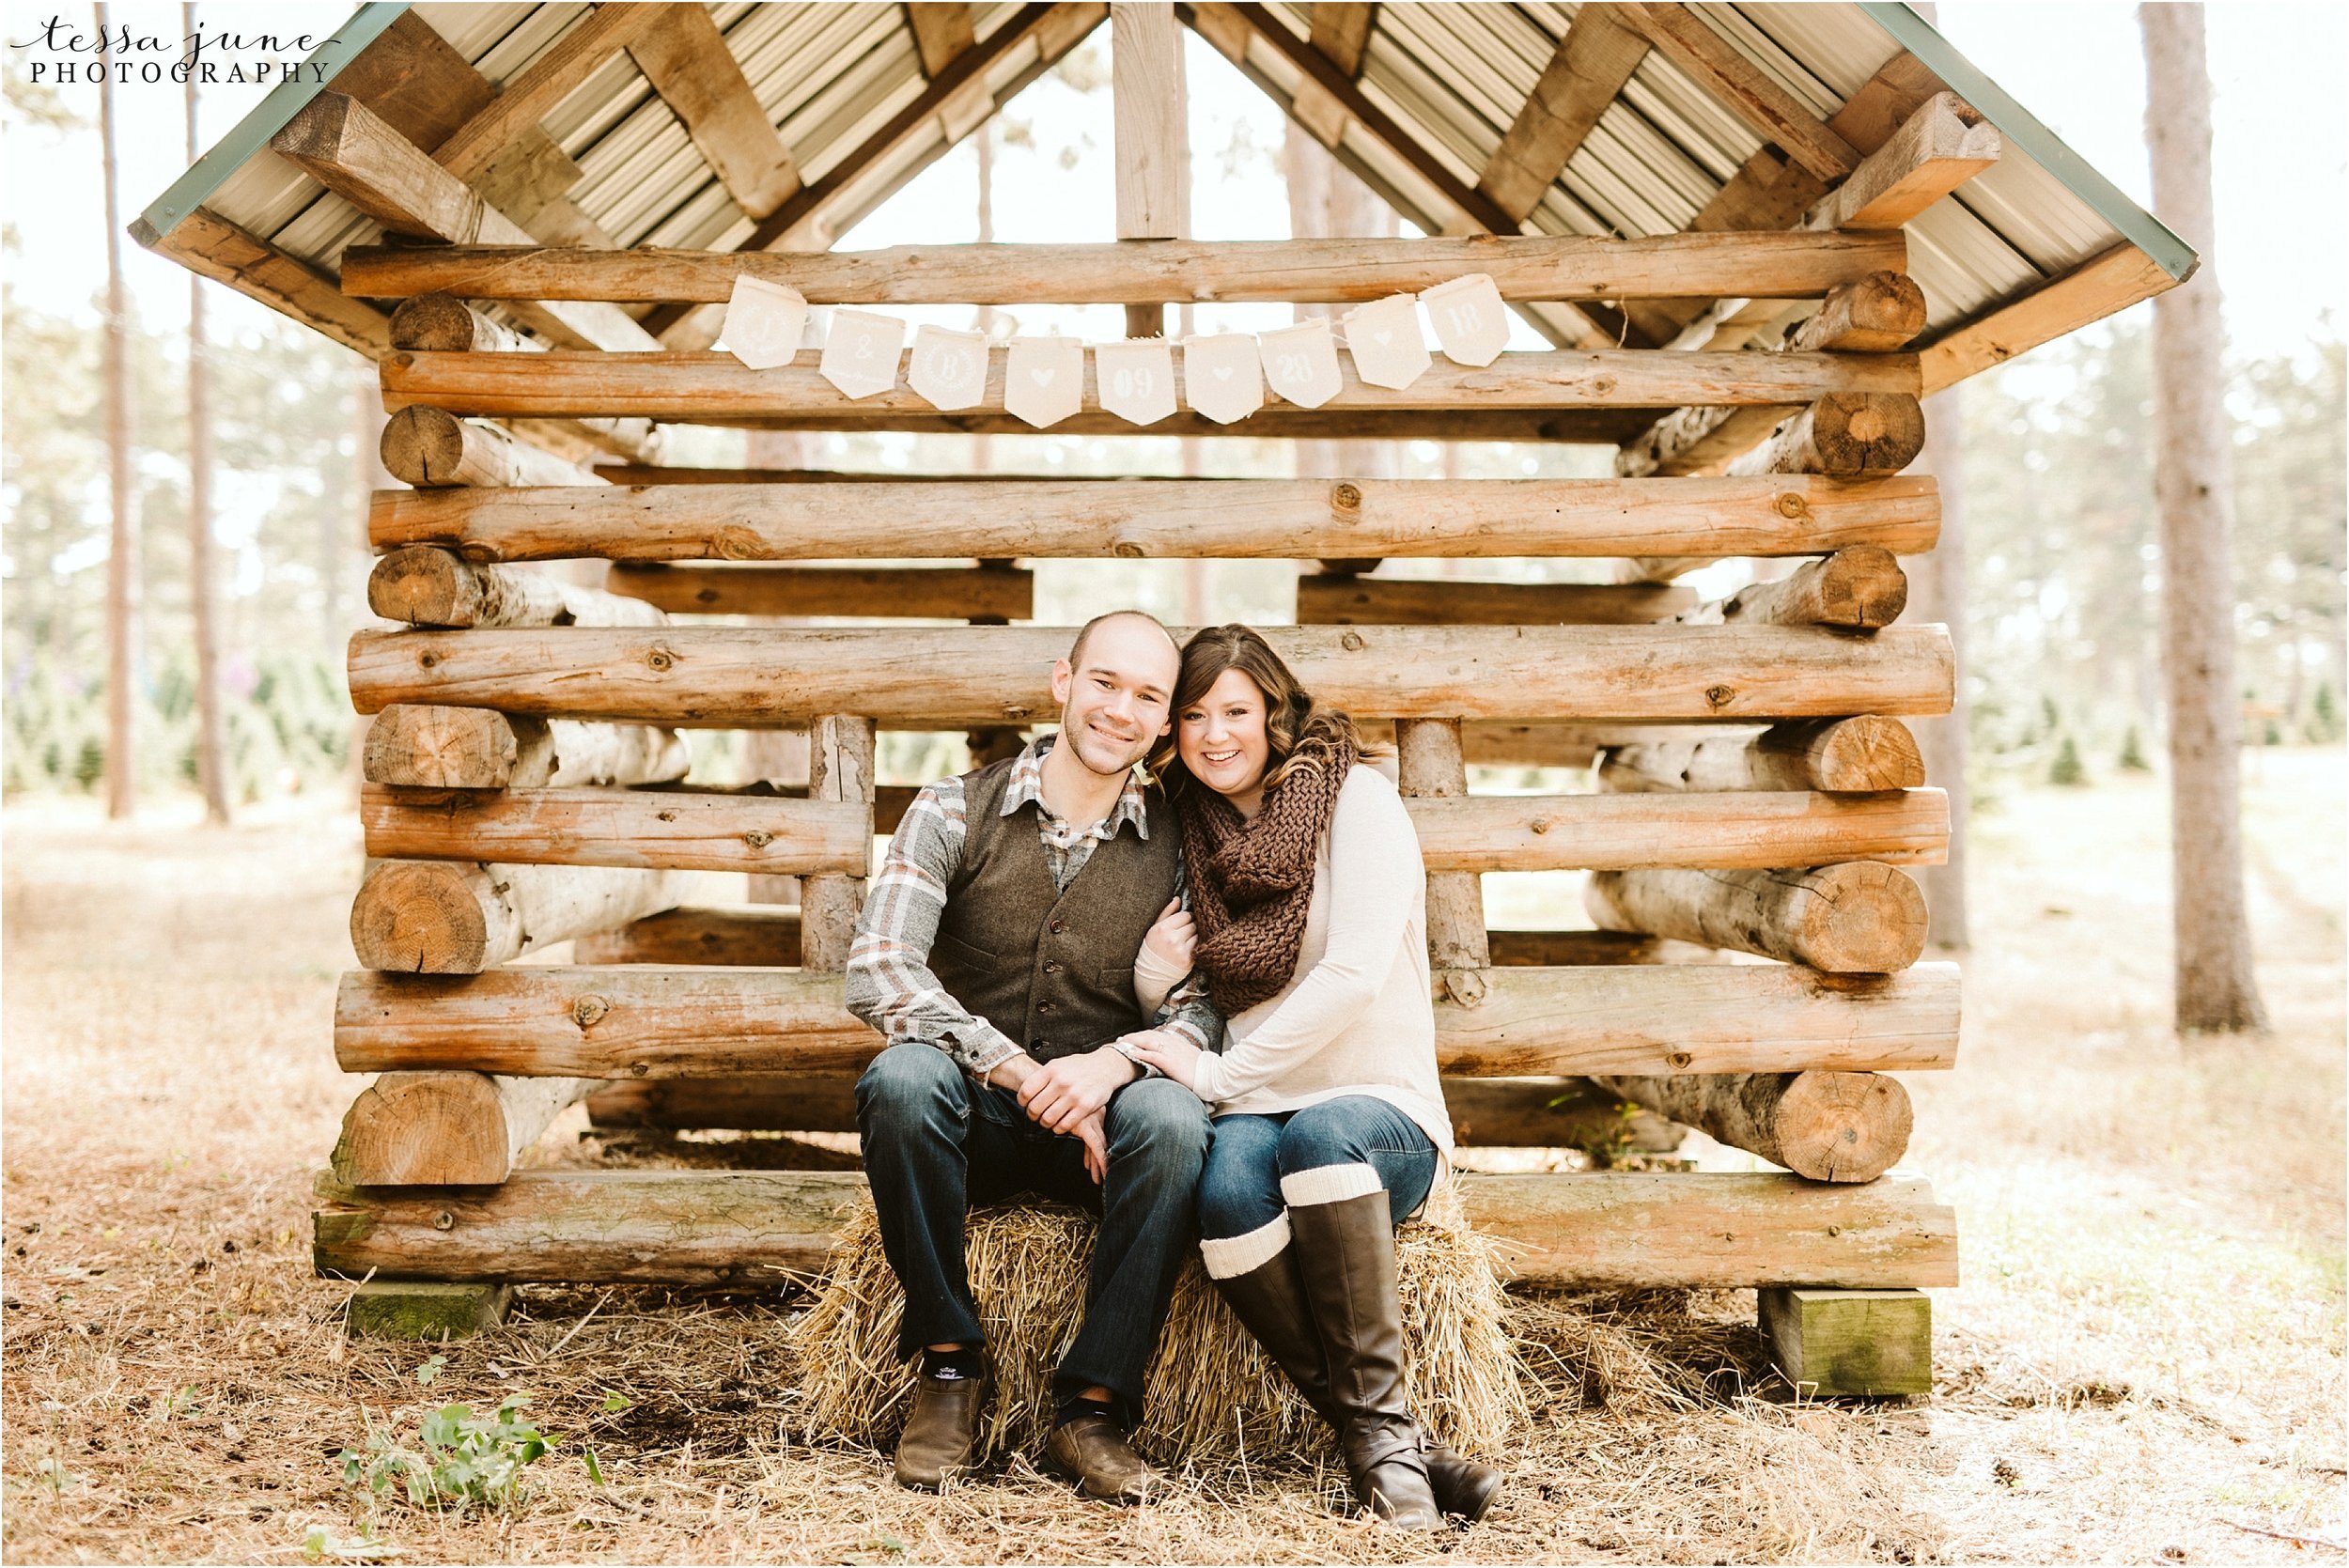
{"x": 890, "y": 984}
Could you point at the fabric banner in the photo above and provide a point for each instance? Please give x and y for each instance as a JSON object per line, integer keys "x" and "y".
{"x": 1301, "y": 361}
{"x": 1044, "y": 379}
{"x": 861, "y": 355}
{"x": 1384, "y": 339}
{"x": 1222, "y": 378}
{"x": 763, "y": 322}
{"x": 1472, "y": 323}
{"x": 949, "y": 367}
{"x": 1135, "y": 380}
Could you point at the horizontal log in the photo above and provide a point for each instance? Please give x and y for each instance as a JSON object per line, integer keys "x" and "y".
{"x": 1588, "y": 426}
{"x": 648, "y": 829}
{"x": 1494, "y": 1112}
{"x": 1858, "y": 588}
{"x": 446, "y": 1129}
{"x": 733, "y": 677}
{"x": 428, "y": 586}
{"x": 442, "y": 323}
{"x": 433, "y": 450}
{"x": 431, "y": 747}
{"x": 708, "y": 387}
{"x": 1328, "y": 598}
{"x": 1495, "y": 744}
{"x": 1838, "y": 756}
{"x": 1086, "y": 518}
{"x": 1758, "y": 828}
{"x": 1845, "y": 435}
{"x": 451, "y": 916}
{"x": 630, "y": 1023}
{"x": 1862, "y": 918}
{"x": 1829, "y": 1126}
{"x": 1613, "y": 1228}
{"x": 1150, "y": 271}
{"x": 769, "y": 937}
{"x": 915, "y": 593}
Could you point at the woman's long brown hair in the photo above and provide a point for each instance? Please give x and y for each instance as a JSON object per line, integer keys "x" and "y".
{"x": 1296, "y": 729}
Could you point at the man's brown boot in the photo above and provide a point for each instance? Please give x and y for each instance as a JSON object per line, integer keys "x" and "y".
{"x": 1269, "y": 1302}
{"x": 943, "y": 1431}
{"x": 1091, "y": 1450}
{"x": 1345, "y": 1260}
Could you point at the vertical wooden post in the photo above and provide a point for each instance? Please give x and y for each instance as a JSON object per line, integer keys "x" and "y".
{"x": 840, "y": 767}
{"x": 1153, "y": 135}
{"x": 1432, "y": 764}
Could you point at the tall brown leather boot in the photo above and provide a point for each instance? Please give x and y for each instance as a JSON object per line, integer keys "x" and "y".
{"x": 1346, "y": 1260}
{"x": 1269, "y": 1302}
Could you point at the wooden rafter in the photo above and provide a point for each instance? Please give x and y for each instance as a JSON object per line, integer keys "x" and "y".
{"x": 1744, "y": 87}
{"x": 1593, "y": 62}
{"x": 941, "y": 32}
{"x": 1939, "y": 148}
{"x": 1342, "y": 32}
{"x": 1056, "y": 28}
{"x": 526, "y": 99}
{"x": 209, "y": 244}
{"x": 686, "y": 59}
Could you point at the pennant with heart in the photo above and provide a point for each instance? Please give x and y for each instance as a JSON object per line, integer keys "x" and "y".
{"x": 1222, "y": 377}
{"x": 1472, "y": 323}
{"x": 1301, "y": 361}
{"x": 949, "y": 368}
{"x": 860, "y": 356}
{"x": 1135, "y": 380}
{"x": 1384, "y": 339}
{"x": 1044, "y": 379}
{"x": 764, "y": 321}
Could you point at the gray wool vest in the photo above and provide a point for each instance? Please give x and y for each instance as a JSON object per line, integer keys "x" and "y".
{"x": 1053, "y": 971}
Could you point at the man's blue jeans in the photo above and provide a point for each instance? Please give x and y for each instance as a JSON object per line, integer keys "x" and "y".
{"x": 936, "y": 1142}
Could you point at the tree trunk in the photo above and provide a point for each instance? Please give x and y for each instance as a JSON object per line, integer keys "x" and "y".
{"x": 2194, "y": 483}
{"x": 122, "y": 561}
{"x": 1937, "y": 593}
{"x": 211, "y": 777}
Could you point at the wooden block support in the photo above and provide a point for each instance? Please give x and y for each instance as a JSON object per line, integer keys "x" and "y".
{"x": 425, "y": 1310}
{"x": 1828, "y": 1127}
{"x": 1834, "y": 1343}
{"x": 1862, "y": 918}
{"x": 898, "y": 519}
{"x": 426, "y": 586}
{"x": 763, "y": 676}
{"x": 1834, "y": 756}
{"x": 1615, "y": 1229}
{"x": 840, "y": 770}
{"x": 1636, "y": 1020}
{"x": 446, "y": 1129}
{"x": 1432, "y": 766}
{"x": 433, "y": 746}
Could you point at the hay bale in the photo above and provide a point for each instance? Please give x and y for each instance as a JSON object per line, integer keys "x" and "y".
{"x": 1212, "y": 1394}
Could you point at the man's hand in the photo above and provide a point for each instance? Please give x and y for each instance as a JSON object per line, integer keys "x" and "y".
{"x": 1173, "y": 938}
{"x": 1064, "y": 1092}
{"x": 1092, "y": 1132}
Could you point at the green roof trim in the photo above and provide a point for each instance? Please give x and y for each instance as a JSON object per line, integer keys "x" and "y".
{"x": 2024, "y": 129}
{"x": 251, "y": 133}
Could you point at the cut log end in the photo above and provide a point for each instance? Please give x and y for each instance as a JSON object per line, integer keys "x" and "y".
{"x": 423, "y": 918}
{"x": 1862, "y": 917}
{"x": 424, "y": 1129}
{"x": 1842, "y": 1127}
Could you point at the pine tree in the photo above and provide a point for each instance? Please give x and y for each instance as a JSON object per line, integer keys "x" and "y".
{"x": 2066, "y": 769}
{"x": 2133, "y": 754}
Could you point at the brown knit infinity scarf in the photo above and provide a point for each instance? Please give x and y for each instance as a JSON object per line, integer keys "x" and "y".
{"x": 1252, "y": 878}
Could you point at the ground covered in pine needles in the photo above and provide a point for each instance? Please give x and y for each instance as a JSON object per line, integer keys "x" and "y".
{"x": 2145, "y": 1361}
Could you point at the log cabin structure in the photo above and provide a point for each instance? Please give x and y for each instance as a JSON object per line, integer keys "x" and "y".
{"x": 1750, "y": 238}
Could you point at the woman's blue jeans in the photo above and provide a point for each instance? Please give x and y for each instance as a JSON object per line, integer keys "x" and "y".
{"x": 1350, "y": 1145}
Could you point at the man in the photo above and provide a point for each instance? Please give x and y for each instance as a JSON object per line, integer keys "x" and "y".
{"x": 995, "y": 954}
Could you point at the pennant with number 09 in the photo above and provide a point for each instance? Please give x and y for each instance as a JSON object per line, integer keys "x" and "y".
{"x": 1135, "y": 380}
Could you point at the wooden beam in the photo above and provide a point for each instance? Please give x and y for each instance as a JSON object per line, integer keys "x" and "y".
{"x": 698, "y": 1022}
{"x": 2113, "y": 281}
{"x": 1859, "y": 589}
{"x": 1618, "y": 1230}
{"x": 526, "y": 99}
{"x": 432, "y": 450}
{"x": 1795, "y": 265}
{"x": 919, "y": 593}
{"x": 443, "y": 917}
{"x": 473, "y": 748}
{"x": 1593, "y": 62}
{"x": 1331, "y": 599}
{"x": 1152, "y": 140}
{"x": 424, "y": 586}
{"x": 941, "y": 32}
{"x": 646, "y": 830}
{"x": 688, "y": 64}
{"x": 1341, "y": 34}
{"x": 1844, "y": 756}
{"x": 1849, "y": 435}
{"x": 339, "y": 142}
{"x": 415, "y": 81}
{"x": 1940, "y": 147}
{"x": 839, "y": 779}
{"x": 210, "y": 246}
{"x": 442, "y": 323}
{"x": 1263, "y": 518}
{"x": 1747, "y": 90}
{"x": 715, "y": 387}
{"x": 732, "y": 677}
{"x": 1825, "y": 1127}
{"x": 447, "y": 1129}
{"x": 1728, "y": 831}
{"x": 1862, "y": 918}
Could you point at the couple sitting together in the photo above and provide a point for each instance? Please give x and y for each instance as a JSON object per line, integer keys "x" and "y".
{"x": 1198, "y": 1007}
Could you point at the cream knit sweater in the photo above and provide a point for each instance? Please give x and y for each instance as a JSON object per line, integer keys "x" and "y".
{"x": 1355, "y": 1017}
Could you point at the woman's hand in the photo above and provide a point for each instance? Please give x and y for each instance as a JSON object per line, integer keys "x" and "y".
{"x": 1170, "y": 1053}
{"x": 1172, "y": 940}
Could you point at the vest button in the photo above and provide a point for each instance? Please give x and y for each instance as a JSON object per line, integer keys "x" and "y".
{"x": 1057, "y": 927}
{"x": 1051, "y": 966}
{"x": 1043, "y": 1006}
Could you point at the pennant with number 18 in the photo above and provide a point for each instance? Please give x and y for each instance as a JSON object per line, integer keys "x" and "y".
{"x": 1472, "y": 323}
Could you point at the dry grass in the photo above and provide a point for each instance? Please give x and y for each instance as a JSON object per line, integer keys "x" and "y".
{"x": 2147, "y": 1352}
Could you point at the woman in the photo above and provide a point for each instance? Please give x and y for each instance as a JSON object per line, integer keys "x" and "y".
{"x": 1308, "y": 898}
